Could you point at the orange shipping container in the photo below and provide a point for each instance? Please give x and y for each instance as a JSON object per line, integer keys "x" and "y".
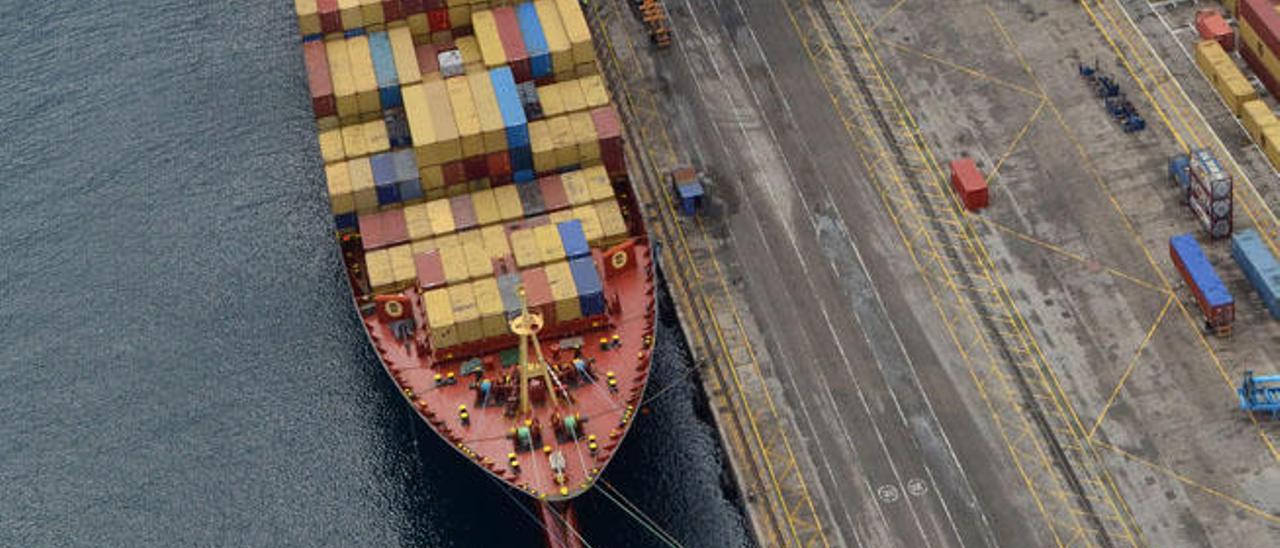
{"x": 1211, "y": 26}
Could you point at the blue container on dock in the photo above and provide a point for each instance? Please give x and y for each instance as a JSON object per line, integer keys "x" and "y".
{"x": 535, "y": 42}
{"x": 384, "y": 70}
{"x": 1180, "y": 171}
{"x": 587, "y": 280}
{"x": 397, "y": 128}
{"x": 1259, "y": 266}
{"x": 1211, "y": 294}
{"x": 513, "y": 118}
{"x": 573, "y": 239}
{"x": 406, "y": 164}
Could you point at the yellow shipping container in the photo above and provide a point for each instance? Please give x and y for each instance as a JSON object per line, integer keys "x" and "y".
{"x": 478, "y": 264}
{"x": 562, "y": 139}
{"x": 572, "y": 96}
{"x": 1270, "y": 137}
{"x": 419, "y": 28}
{"x": 377, "y": 264}
{"x": 417, "y": 112}
{"x": 308, "y": 17}
{"x": 418, "y": 222}
{"x": 586, "y": 69}
{"x": 1272, "y": 148}
{"x": 493, "y": 320}
{"x": 508, "y": 198}
{"x": 1208, "y": 54}
{"x": 366, "y": 196}
{"x": 557, "y": 217}
{"x": 465, "y": 116}
{"x": 344, "y": 88}
{"x": 331, "y": 149}
{"x": 362, "y": 75}
{"x": 425, "y": 246}
{"x": 486, "y": 32}
{"x": 485, "y": 206}
{"x": 469, "y": 48}
{"x": 576, "y": 30}
{"x": 349, "y": 12}
{"x": 447, "y": 147}
{"x": 492, "y": 129}
{"x": 440, "y": 318}
{"x": 403, "y": 54}
{"x": 432, "y": 178}
{"x": 590, "y": 223}
{"x": 1256, "y": 115}
{"x": 441, "y": 215}
{"x": 584, "y": 134}
{"x": 563, "y": 291}
{"x": 557, "y": 41}
{"x": 598, "y": 182}
{"x": 1249, "y": 40}
{"x": 353, "y": 140}
{"x": 1236, "y": 91}
{"x": 575, "y": 187}
{"x": 458, "y": 17}
{"x": 549, "y": 245}
{"x": 454, "y": 262}
{"x": 466, "y": 317}
{"x": 524, "y": 246}
{"x": 371, "y": 11}
{"x": 594, "y": 92}
{"x": 403, "y": 270}
{"x": 338, "y": 179}
{"x": 542, "y": 146}
{"x": 611, "y": 222}
{"x": 376, "y": 140}
{"x": 495, "y": 242}
{"x": 550, "y": 99}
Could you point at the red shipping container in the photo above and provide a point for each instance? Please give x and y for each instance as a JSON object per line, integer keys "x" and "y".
{"x": 410, "y": 7}
{"x": 330, "y": 19}
{"x": 537, "y": 292}
{"x": 429, "y": 5}
{"x": 969, "y": 183}
{"x": 322, "y": 100}
{"x": 438, "y": 20}
{"x": 1265, "y": 22}
{"x": 427, "y": 60}
{"x": 430, "y": 269}
{"x": 391, "y": 10}
{"x": 476, "y": 167}
{"x": 513, "y": 43}
{"x": 609, "y": 132}
{"x": 553, "y": 194}
{"x": 454, "y": 173}
{"x": 464, "y": 212}
{"x": 1211, "y": 26}
{"x": 383, "y": 229}
{"x": 499, "y": 164}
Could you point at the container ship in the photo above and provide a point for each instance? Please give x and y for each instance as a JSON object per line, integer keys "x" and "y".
{"x": 491, "y": 238}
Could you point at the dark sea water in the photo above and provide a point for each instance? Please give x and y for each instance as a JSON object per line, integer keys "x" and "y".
{"x": 179, "y": 364}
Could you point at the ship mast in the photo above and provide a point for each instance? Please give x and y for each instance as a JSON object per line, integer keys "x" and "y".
{"x": 526, "y": 326}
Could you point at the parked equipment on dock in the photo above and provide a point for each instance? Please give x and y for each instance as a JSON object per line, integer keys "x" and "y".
{"x": 1117, "y": 105}
{"x": 1210, "y": 196}
{"x": 1211, "y": 294}
{"x": 1260, "y": 394}
{"x": 1180, "y": 174}
{"x": 687, "y": 184}
{"x": 654, "y": 16}
{"x": 1259, "y": 266}
{"x": 969, "y": 183}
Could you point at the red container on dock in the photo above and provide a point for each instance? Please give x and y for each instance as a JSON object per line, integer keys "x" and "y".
{"x": 969, "y": 183}
{"x": 1211, "y": 26}
{"x": 513, "y": 43}
{"x": 322, "y": 99}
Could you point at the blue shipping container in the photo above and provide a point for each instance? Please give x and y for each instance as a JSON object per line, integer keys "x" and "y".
{"x": 346, "y": 220}
{"x": 1260, "y": 267}
{"x": 397, "y": 128}
{"x": 384, "y": 169}
{"x": 513, "y": 119}
{"x": 587, "y": 280}
{"x": 1180, "y": 171}
{"x": 409, "y": 190}
{"x": 573, "y": 239}
{"x": 384, "y": 70}
{"x": 534, "y": 40}
{"x": 1201, "y": 271}
{"x": 388, "y": 194}
{"x": 406, "y": 163}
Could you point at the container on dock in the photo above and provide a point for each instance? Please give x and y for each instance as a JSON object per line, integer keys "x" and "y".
{"x": 1211, "y": 26}
{"x": 1259, "y": 266}
{"x": 969, "y": 184}
{"x": 1211, "y": 294}
{"x": 1256, "y": 116}
{"x": 1180, "y": 173}
{"x": 1259, "y": 45}
{"x": 1210, "y": 196}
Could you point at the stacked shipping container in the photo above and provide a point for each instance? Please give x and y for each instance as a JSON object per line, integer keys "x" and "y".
{"x": 1260, "y": 267}
{"x": 1211, "y": 194}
